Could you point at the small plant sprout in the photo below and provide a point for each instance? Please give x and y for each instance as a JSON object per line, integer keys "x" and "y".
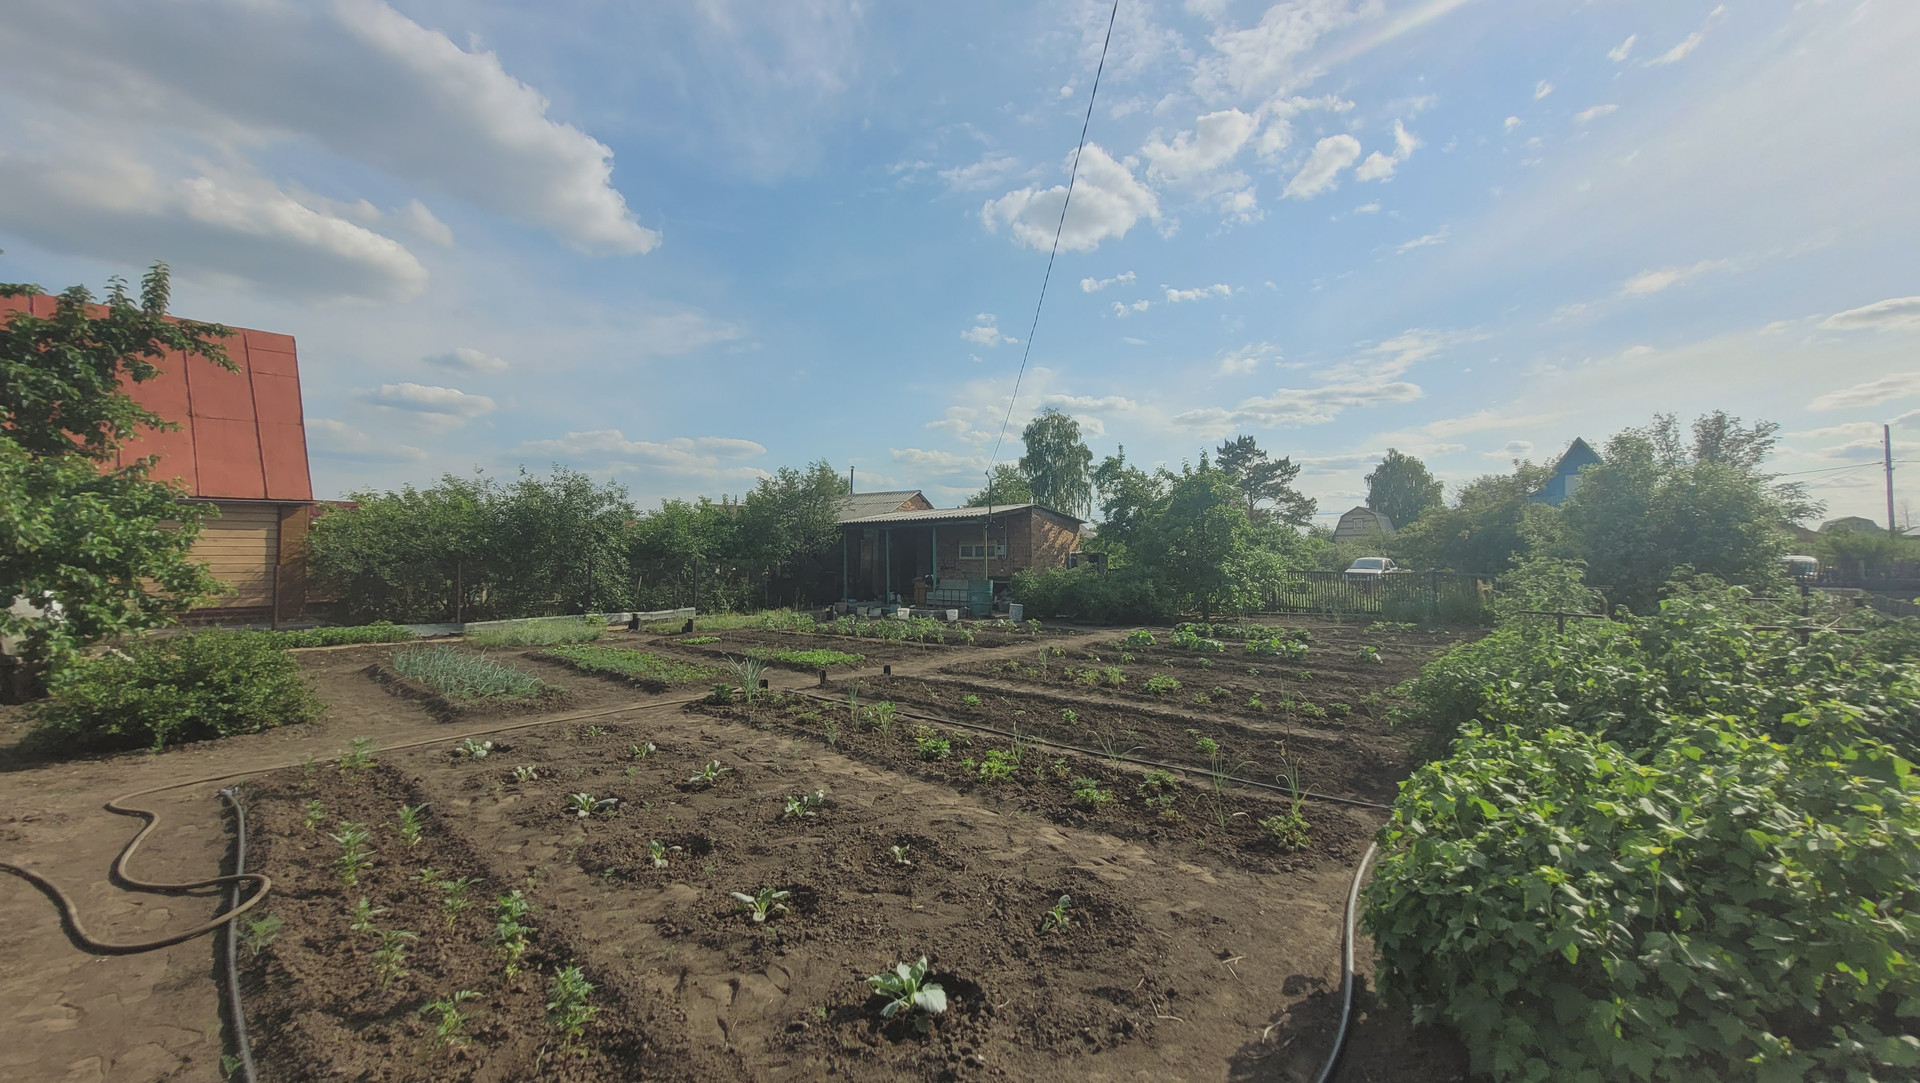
{"x": 453, "y": 898}
{"x": 1160, "y": 684}
{"x": 410, "y": 823}
{"x": 1206, "y": 746}
{"x": 1369, "y": 654}
{"x": 526, "y": 772}
{"x": 594, "y": 731}
{"x": 358, "y": 756}
{"x": 998, "y": 766}
{"x": 831, "y": 730}
{"x": 709, "y": 774}
{"x": 906, "y": 988}
{"x": 363, "y": 914}
{"x": 1288, "y": 828}
{"x": 882, "y": 715}
{"x": 474, "y": 750}
{"x": 641, "y": 751}
{"x": 260, "y": 933}
{"x": 1110, "y": 747}
{"x": 428, "y": 875}
{"x": 567, "y": 1007}
{"x": 316, "y": 814}
{"x": 1087, "y": 792}
{"x": 1070, "y": 716}
{"x": 748, "y": 672}
{"x": 853, "y": 703}
{"x": 508, "y": 930}
{"x": 657, "y": 852}
{"x": 802, "y": 806}
{"x": 355, "y": 854}
{"x": 1056, "y": 918}
{"x": 932, "y": 747}
{"x": 390, "y": 960}
{"x": 900, "y": 853}
{"x": 969, "y": 700}
{"x": 766, "y": 904}
{"x": 450, "y": 1023}
{"x": 584, "y": 805}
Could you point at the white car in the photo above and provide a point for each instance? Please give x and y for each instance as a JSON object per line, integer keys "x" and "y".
{"x": 1370, "y": 569}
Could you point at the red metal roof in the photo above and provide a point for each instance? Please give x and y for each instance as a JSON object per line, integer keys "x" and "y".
{"x": 242, "y": 434}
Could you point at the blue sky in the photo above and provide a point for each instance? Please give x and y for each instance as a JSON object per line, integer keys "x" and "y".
{"x": 682, "y": 245}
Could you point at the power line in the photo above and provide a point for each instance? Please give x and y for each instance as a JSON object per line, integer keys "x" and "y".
{"x": 1072, "y": 175}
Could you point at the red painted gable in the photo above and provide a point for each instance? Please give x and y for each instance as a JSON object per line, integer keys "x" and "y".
{"x": 242, "y": 434}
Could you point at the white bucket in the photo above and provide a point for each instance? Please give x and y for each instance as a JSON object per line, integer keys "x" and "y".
{"x": 952, "y": 615}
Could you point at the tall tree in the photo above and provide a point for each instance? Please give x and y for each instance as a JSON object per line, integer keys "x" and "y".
{"x": 1201, "y": 545}
{"x": 1058, "y": 466}
{"x": 1006, "y": 485}
{"x": 1490, "y": 526}
{"x": 94, "y": 549}
{"x": 1401, "y": 488}
{"x": 1263, "y": 479}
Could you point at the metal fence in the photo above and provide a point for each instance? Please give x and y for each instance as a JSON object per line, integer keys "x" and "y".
{"x": 1443, "y": 596}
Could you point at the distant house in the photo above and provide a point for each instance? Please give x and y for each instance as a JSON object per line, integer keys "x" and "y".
{"x": 1566, "y": 474}
{"x": 950, "y": 556}
{"x": 1850, "y": 524}
{"x": 861, "y": 505}
{"x": 242, "y": 447}
{"x": 1362, "y": 524}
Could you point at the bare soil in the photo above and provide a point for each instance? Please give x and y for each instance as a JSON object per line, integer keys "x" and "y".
{"x": 1199, "y": 946}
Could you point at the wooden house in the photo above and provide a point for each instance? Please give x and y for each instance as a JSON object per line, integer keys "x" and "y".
{"x": 959, "y": 556}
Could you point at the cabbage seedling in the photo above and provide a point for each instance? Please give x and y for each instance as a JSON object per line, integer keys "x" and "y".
{"x": 584, "y": 805}
{"x": 261, "y": 932}
{"x": 526, "y": 773}
{"x": 657, "y": 852}
{"x": 900, "y": 853}
{"x": 474, "y": 750}
{"x": 764, "y": 905}
{"x": 1056, "y": 918}
{"x": 508, "y": 930}
{"x": 449, "y": 1029}
{"x": 641, "y": 752}
{"x": 710, "y": 773}
{"x": 804, "y": 805}
{"x": 907, "y": 988}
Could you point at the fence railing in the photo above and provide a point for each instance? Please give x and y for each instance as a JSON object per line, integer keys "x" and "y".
{"x": 1902, "y": 580}
{"x": 1452, "y": 597}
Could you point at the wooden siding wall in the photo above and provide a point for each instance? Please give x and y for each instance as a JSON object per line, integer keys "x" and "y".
{"x": 242, "y": 548}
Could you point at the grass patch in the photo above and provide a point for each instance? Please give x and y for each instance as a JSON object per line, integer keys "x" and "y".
{"x": 814, "y": 659}
{"x": 632, "y": 665}
{"x": 540, "y": 632}
{"x": 458, "y": 674}
{"x": 377, "y": 632}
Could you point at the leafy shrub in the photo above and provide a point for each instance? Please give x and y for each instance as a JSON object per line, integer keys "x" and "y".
{"x": 543, "y": 632}
{"x": 1139, "y": 637}
{"x": 460, "y": 674}
{"x": 1126, "y": 595}
{"x": 377, "y": 632}
{"x": 1731, "y": 909}
{"x": 1186, "y": 639}
{"x": 1160, "y": 684}
{"x": 631, "y": 664}
{"x": 815, "y": 659}
{"x": 173, "y": 690}
{"x": 1277, "y": 647}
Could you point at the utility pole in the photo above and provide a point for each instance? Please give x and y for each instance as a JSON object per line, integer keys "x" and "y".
{"x": 1886, "y": 449}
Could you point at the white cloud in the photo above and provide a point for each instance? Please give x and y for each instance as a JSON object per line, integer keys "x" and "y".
{"x": 1261, "y": 60}
{"x": 416, "y": 217}
{"x": 1511, "y": 123}
{"x": 1122, "y": 311}
{"x": 467, "y": 359}
{"x": 984, "y": 332}
{"x": 937, "y": 461}
{"x": 1367, "y": 208}
{"x": 333, "y": 439}
{"x": 980, "y": 175}
{"x": 1680, "y": 51}
{"x": 1247, "y": 359}
{"x": 1892, "y": 314}
{"x": 1542, "y": 89}
{"x": 1107, "y": 202}
{"x": 1298, "y": 406}
{"x": 1218, "y": 289}
{"x": 1216, "y": 139}
{"x": 1513, "y": 449}
{"x": 709, "y": 458}
{"x": 1095, "y": 285}
{"x": 1592, "y": 113}
{"x": 1894, "y": 385}
{"x": 1322, "y": 170}
{"x": 1380, "y": 166}
{"x": 1647, "y": 283}
{"x": 1439, "y": 237}
{"x": 1619, "y": 52}
{"x": 245, "y": 75}
{"x": 443, "y": 407}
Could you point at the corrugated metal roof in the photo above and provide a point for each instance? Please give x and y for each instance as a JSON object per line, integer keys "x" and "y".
{"x": 947, "y": 515}
{"x": 242, "y": 434}
{"x": 860, "y": 505}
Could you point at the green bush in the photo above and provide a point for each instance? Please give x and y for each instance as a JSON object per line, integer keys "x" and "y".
{"x": 173, "y": 690}
{"x": 377, "y": 632}
{"x": 1731, "y": 908}
{"x": 1121, "y": 596}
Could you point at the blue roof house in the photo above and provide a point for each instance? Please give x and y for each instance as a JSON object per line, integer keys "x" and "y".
{"x": 1566, "y": 474}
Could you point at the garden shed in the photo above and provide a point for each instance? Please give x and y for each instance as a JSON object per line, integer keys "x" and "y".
{"x": 1362, "y": 524}
{"x": 951, "y": 557}
{"x": 242, "y": 447}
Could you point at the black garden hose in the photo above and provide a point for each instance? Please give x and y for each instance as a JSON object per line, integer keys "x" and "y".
{"x": 1346, "y": 966}
{"x": 240, "y": 1038}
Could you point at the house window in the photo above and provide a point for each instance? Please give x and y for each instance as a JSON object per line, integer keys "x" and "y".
{"x": 977, "y": 552}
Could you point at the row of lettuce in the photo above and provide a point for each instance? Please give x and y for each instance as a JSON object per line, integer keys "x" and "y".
{"x": 1683, "y": 846}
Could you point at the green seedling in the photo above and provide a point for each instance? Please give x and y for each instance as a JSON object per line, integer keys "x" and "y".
{"x": 1139, "y": 637}
{"x": 998, "y": 766}
{"x": 721, "y": 694}
{"x": 508, "y": 930}
{"x": 1160, "y": 684}
{"x": 709, "y": 774}
{"x": 1069, "y": 716}
{"x": 390, "y": 960}
{"x": 969, "y": 700}
{"x": 450, "y": 1023}
{"x": 1206, "y": 746}
{"x": 766, "y": 904}
{"x": 748, "y": 672}
{"x": 900, "y": 853}
{"x": 526, "y": 773}
{"x": 358, "y": 756}
{"x": 567, "y": 1007}
{"x": 1157, "y": 789}
{"x": 453, "y": 898}
{"x": 1369, "y": 654}
{"x": 933, "y": 748}
{"x": 657, "y": 852}
{"x": 474, "y": 750}
{"x": 316, "y": 814}
{"x": 803, "y": 806}
{"x": 583, "y": 805}
{"x": 260, "y": 933}
{"x": 1126, "y": 659}
{"x": 1289, "y": 828}
{"x": 594, "y": 731}
{"x": 882, "y": 715}
{"x": 1056, "y": 918}
{"x": 1087, "y": 792}
{"x": 410, "y": 823}
{"x": 428, "y": 876}
{"x": 355, "y": 854}
{"x": 831, "y": 730}
{"x": 1060, "y": 768}
{"x": 1109, "y": 744}
{"x": 641, "y": 751}
{"x": 363, "y": 914}
{"x": 906, "y": 988}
